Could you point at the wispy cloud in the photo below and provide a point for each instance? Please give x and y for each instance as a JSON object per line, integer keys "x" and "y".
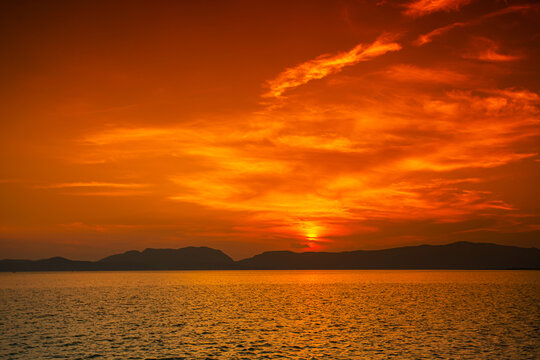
{"x": 338, "y": 163}
{"x": 108, "y": 193}
{"x": 411, "y": 73}
{"x": 97, "y": 188}
{"x": 125, "y": 135}
{"x": 524, "y": 8}
{"x": 311, "y": 168}
{"x": 427, "y": 38}
{"x": 93, "y": 184}
{"x": 485, "y": 49}
{"x": 325, "y": 65}
{"x": 425, "y": 7}
{"x": 315, "y": 187}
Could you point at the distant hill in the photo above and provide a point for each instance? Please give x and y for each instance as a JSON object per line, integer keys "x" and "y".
{"x": 52, "y": 264}
{"x": 459, "y": 255}
{"x": 189, "y": 258}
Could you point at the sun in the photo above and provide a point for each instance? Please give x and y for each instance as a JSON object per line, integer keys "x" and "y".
{"x": 311, "y": 231}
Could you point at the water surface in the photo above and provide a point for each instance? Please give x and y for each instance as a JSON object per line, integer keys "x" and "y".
{"x": 351, "y": 314}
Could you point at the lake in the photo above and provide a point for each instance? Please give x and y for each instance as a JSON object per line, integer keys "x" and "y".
{"x": 352, "y": 314}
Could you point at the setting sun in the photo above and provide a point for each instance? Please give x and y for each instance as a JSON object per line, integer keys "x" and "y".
{"x": 312, "y": 231}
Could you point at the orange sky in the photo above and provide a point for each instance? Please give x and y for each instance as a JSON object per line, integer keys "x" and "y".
{"x": 249, "y": 126}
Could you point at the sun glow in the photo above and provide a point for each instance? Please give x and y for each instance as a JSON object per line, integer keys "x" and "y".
{"x": 312, "y": 231}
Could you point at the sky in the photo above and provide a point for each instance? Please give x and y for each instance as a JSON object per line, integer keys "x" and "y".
{"x": 250, "y": 126}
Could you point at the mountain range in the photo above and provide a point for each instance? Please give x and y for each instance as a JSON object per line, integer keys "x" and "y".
{"x": 458, "y": 255}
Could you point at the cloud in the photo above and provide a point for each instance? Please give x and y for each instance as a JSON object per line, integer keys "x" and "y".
{"x": 338, "y": 164}
{"x": 512, "y": 9}
{"x": 107, "y": 193}
{"x": 125, "y": 135}
{"x": 485, "y": 49}
{"x": 411, "y": 73}
{"x": 425, "y": 7}
{"x": 346, "y": 177}
{"x": 325, "y": 65}
{"x": 93, "y": 184}
{"x": 427, "y": 38}
{"x": 97, "y": 188}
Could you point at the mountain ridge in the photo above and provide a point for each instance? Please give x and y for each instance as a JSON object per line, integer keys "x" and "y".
{"x": 457, "y": 255}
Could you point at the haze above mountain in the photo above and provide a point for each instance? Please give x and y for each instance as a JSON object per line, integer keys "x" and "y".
{"x": 459, "y": 255}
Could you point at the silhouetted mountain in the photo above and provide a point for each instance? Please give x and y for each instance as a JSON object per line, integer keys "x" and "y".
{"x": 189, "y": 258}
{"x": 460, "y": 255}
{"x": 52, "y": 264}
{"x": 170, "y": 259}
